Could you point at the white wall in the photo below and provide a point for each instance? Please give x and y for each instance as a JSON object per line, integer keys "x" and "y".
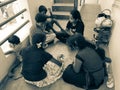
{"x": 91, "y": 1}
{"x": 34, "y": 4}
{"x": 114, "y": 45}
{"x": 3, "y": 72}
{"x": 24, "y": 32}
{"x": 106, "y": 4}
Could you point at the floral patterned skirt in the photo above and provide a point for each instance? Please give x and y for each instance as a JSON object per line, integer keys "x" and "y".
{"x": 54, "y": 72}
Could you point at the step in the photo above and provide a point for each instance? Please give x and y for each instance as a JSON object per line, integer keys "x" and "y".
{"x": 63, "y": 1}
{"x": 61, "y": 15}
{"x": 62, "y": 7}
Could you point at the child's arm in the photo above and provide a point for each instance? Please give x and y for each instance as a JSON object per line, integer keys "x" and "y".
{"x": 77, "y": 65}
{"x": 50, "y": 12}
{"x": 51, "y": 15}
{"x": 10, "y": 52}
{"x": 53, "y": 20}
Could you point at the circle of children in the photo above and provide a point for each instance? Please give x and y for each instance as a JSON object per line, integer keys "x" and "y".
{"x": 40, "y": 68}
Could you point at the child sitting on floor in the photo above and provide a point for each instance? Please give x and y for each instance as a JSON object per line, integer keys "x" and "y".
{"x": 41, "y": 21}
{"x": 39, "y": 67}
{"x": 15, "y": 46}
{"x": 50, "y": 19}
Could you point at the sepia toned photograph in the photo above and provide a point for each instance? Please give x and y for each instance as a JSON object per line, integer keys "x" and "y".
{"x": 59, "y": 44}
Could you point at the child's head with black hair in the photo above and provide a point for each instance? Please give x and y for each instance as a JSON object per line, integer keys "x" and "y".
{"x": 74, "y": 15}
{"x": 42, "y": 9}
{"x": 38, "y": 39}
{"x": 14, "y": 40}
{"x": 41, "y": 21}
{"x": 79, "y": 41}
{"x": 40, "y": 18}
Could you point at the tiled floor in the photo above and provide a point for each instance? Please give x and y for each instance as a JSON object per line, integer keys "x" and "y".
{"x": 55, "y": 50}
